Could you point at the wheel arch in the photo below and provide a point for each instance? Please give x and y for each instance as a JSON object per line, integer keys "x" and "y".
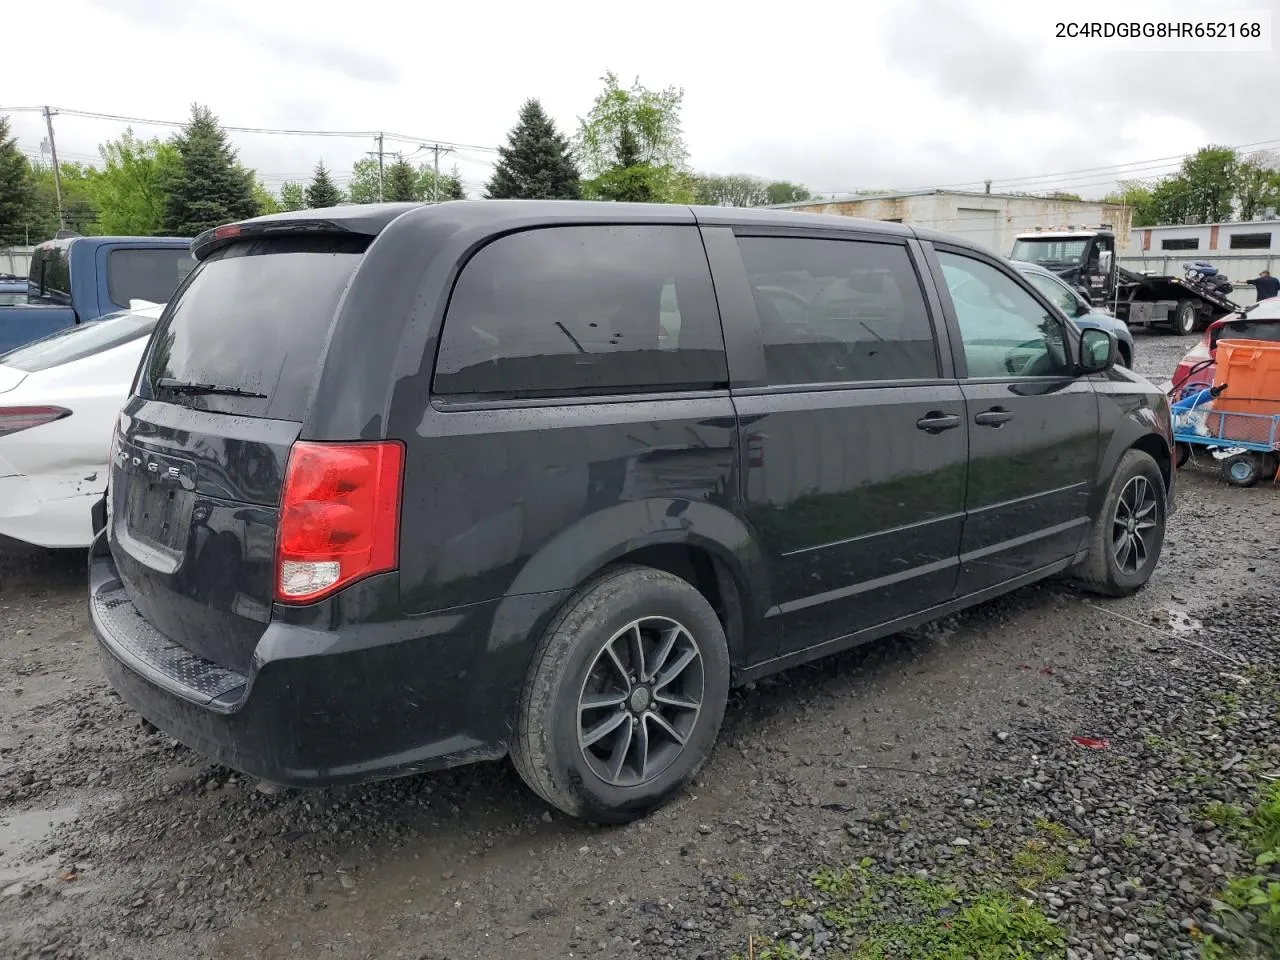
{"x": 702, "y": 543}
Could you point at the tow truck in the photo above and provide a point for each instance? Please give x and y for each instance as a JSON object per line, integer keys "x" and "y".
{"x": 1085, "y": 256}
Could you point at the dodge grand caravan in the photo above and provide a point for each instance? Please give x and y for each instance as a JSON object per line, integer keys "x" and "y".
{"x": 399, "y": 487}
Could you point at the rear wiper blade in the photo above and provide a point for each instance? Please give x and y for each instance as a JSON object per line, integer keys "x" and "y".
{"x": 182, "y": 386}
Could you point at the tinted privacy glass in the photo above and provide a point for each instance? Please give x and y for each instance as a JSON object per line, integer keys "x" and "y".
{"x": 1248, "y": 330}
{"x": 1005, "y": 330}
{"x": 577, "y": 310}
{"x": 50, "y": 278}
{"x": 76, "y": 343}
{"x": 145, "y": 274}
{"x": 254, "y": 317}
{"x": 838, "y": 310}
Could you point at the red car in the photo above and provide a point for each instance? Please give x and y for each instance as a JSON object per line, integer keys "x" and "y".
{"x": 1258, "y": 322}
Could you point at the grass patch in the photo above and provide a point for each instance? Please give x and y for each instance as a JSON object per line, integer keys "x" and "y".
{"x": 1250, "y": 904}
{"x": 895, "y": 916}
{"x": 1038, "y": 862}
{"x": 1225, "y": 816}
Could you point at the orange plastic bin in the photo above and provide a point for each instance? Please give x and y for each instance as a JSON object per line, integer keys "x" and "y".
{"x": 1250, "y": 369}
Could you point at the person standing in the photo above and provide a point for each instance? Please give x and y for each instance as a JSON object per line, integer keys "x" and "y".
{"x": 1266, "y": 285}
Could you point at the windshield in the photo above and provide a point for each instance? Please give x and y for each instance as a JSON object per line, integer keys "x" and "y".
{"x": 1054, "y": 250}
{"x": 76, "y": 343}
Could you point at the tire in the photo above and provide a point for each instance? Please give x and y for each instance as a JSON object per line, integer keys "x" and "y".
{"x": 1106, "y": 569}
{"x": 550, "y": 751}
{"x": 1243, "y": 469}
{"x": 1185, "y": 318}
{"x": 1181, "y": 453}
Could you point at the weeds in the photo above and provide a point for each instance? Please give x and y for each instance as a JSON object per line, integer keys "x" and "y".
{"x": 1250, "y": 904}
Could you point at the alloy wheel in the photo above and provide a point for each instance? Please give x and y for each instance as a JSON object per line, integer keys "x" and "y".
{"x": 640, "y": 701}
{"x": 1137, "y": 514}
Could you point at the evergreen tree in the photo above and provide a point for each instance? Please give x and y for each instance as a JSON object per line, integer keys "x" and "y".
{"x": 450, "y": 185}
{"x": 536, "y": 163}
{"x": 400, "y": 182}
{"x": 17, "y": 190}
{"x": 322, "y": 191}
{"x": 209, "y": 187}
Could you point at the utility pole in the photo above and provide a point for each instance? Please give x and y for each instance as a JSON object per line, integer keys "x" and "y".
{"x": 57, "y": 174}
{"x": 379, "y": 154}
{"x": 435, "y": 183}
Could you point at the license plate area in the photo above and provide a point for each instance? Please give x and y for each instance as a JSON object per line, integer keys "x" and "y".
{"x": 155, "y": 513}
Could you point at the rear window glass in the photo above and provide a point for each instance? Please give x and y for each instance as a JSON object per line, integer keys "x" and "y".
{"x": 254, "y": 317}
{"x": 76, "y": 343}
{"x": 146, "y": 274}
{"x": 1268, "y": 330}
{"x": 572, "y": 311}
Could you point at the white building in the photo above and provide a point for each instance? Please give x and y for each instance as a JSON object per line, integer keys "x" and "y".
{"x": 990, "y": 219}
{"x": 1241, "y": 250}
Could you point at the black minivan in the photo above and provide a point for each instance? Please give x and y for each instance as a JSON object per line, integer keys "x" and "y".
{"x": 400, "y": 487}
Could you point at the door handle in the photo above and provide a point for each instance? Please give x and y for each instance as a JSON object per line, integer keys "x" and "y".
{"x": 994, "y": 417}
{"x": 935, "y": 421}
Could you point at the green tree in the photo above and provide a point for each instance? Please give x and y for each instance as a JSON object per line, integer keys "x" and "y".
{"x": 129, "y": 189}
{"x": 400, "y": 182}
{"x": 293, "y": 196}
{"x": 731, "y": 190}
{"x": 266, "y": 201}
{"x": 1210, "y": 177}
{"x": 784, "y": 191}
{"x": 1257, "y": 185}
{"x": 79, "y": 201}
{"x": 17, "y": 191}
{"x": 536, "y": 163}
{"x": 632, "y": 145}
{"x": 363, "y": 187}
{"x": 450, "y": 184}
{"x": 209, "y": 186}
{"x": 322, "y": 191}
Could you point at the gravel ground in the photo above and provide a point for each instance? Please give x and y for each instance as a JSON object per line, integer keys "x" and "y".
{"x": 919, "y": 797}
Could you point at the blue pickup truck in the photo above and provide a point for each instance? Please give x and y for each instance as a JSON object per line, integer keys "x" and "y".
{"x": 79, "y": 279}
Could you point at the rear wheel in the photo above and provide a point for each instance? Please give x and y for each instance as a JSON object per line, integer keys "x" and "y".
{"x": 1182, "y": 453}
{"x": 1184, "y": 318}
{"x": 624, "y": 698}
{"x": 1243, "y": 469}
{"x": 1128, "y": 533}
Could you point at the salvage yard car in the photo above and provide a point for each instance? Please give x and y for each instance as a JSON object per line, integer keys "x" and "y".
{"x": 1073, "y": 305}
{"x": 1258, "y": 321}
{"x": 400, "y": 487}
{"x": 59, "y": 398}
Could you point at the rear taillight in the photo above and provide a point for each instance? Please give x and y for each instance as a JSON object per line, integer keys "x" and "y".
{"x": 339, "y": 517}
{"x": 13, "y": 419}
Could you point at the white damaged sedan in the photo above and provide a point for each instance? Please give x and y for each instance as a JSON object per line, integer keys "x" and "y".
{"x": 59, "y": 398}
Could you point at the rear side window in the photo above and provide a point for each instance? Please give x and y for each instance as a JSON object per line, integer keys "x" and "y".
{"x": 50, "y": 277}
{"x": 76, "y": 343}
{"x": 834, "y": 311}
{"x": 141, "y": 274}
{"x": 254, "y": 317}
{"x": 579, "y": 310}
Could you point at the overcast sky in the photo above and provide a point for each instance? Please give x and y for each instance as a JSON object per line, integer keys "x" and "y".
{"x": 839, "y": 96}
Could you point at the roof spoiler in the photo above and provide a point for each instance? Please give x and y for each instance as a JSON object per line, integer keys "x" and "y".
{"x": 219, "y": 237}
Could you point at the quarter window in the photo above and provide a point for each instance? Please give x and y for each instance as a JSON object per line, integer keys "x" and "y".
{"x": 582, "y": 310}
{"x": 838, "y": 311}
{"x": 1005, "y": 330}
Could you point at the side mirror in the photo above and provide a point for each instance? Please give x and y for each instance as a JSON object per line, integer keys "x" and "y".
{"x": 1099, "y": 350}
{"x": 1083, "y": 308}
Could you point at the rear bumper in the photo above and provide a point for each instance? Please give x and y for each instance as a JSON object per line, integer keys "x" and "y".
{"x": 49, "y": 511}
{"x": 322, "y": 707}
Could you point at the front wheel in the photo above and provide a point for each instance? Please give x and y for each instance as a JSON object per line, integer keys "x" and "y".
{"x": 1128, "y": 533}
{"x": 624, "y": 698}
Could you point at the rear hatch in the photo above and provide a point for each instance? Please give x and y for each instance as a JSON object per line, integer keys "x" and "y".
{"x": 203, "y": 443}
